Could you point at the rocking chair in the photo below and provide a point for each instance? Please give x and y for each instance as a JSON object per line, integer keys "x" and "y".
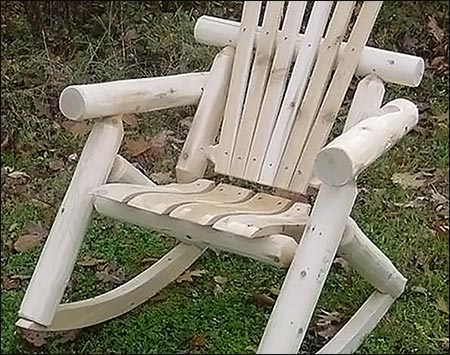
{"x": 265, "y": 113}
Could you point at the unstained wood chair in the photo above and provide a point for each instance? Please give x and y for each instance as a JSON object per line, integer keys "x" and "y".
{"x": 265, "y": 112}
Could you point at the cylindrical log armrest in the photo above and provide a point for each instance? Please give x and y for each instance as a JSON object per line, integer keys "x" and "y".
{"x": 393, "y": 67}
{"x": 349, "y": 154}
{"x": 80, "y": 102}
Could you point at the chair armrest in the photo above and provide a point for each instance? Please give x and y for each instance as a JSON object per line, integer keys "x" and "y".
{"x": 349, "y": 154}
{"x": 80, "y": 102}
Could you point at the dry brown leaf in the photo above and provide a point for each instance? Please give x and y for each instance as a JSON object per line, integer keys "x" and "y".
{"x": 18, "y": 175}
{"x": 264, "y": 300}
{"x": 197, "y": 343}
{"x": 130, "y": 119}
{"x": 40, "y": 204}
{"x": 56, "y": 165}
{"x": 89, "y": 261}
{"x": 77, "y": 128}
{"x": 186, "y": 122}
{"x": 437, "y": 32}
{"x": 111, "y": 274}
{"x": 328, "y": 324}
{"x": 154, "y": 146}
{"x": 9, "y": 283}
{"x": 342, "y": 263}
{"x": 35, "y": 234}
{"x": 406, "y": 180}
{"x": 442, "y": 305}
{"x": 220, "y": 280}
{"x": 187, "y": 276}
{"x": 409, "y": 42}
{"x": 67, "y": 336}
{"x": 217, "y": 290}
{"x": 159, "y": 297}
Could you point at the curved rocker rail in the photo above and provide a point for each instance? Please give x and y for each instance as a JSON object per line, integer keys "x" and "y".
{"x": 353, "y": 333}
{"x": 124, "y": 298}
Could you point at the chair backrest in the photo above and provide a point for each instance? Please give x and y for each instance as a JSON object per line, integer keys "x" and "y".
{"x": 282, "y": 102}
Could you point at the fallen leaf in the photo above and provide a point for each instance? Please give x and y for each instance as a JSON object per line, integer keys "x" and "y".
{"x": 264, "y": 300}
{"x": 186, "y": 122}
{"x": 67, "y": 336}
{"x": 9, "y": 283}
{"x": 419, "y": 289}
{"x": 111, "y": 274}
{"x": 35, "y": 234}
{"x": 77, "y": 128}
{"x": 439, "y": 63}
{"x": 217, "y": 290}
{"x": 197, "y": 343}
{"x": 130, "y": 34}
{"x": 328, "y": 324}
{"x": 18, "y": 175}
{"x": 437, "y": 32}
{"x": 444, "y": 342}
{"x": 43, "y": 109}
{"x": 187, "y": 276}
{"x": 342, "y": 263}
{"x": 56, "y": 165}
{"x": 130, "y": 119}
{"x": 442, "y": 305}
{"x": 409, "y": 42}
{"x": 220, "y": 280}
{"x": 154, "y": 146}
{"x": 162, "y": 178}
{"x": 406, "y": 180}
{"x": 89, "y": 261}
{"x": 417, "y": 202}
{"x": 73, "y": 157}
{"x": 40, "y": 204}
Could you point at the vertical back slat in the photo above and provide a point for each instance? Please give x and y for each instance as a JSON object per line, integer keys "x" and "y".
{"x": 296, "y": 88}
{"x": 238, "y": 84}
{"x": 275, "y": 88}
{"x": 336, "y": 92}
{"x": 310, "y": 105}
{"x": 257, "y": 86}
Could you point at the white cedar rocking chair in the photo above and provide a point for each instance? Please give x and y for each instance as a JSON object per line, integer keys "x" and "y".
{"x": 264, "y": 115}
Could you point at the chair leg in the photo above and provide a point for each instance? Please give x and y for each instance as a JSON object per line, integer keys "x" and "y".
{"x": 370, "y": 262}
{"x": 306, "y": 276}
{"x": 124, "y": 298}
{"x": 58, "y": 257}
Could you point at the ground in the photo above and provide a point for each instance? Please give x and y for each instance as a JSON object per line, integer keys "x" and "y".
{"x": 402, "y": 204}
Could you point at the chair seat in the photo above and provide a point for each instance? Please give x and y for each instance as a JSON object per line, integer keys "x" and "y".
{"x": 222, "y": 207}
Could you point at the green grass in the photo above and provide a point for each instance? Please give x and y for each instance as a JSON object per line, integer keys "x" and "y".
{"x": 43, "y": 51}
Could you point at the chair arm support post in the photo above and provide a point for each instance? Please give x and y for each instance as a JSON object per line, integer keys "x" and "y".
{"x": 349, "y": 154}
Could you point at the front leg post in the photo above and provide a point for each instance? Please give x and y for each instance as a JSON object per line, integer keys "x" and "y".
{"x": 58, "y": 257}
{"x": 306, "y": 276}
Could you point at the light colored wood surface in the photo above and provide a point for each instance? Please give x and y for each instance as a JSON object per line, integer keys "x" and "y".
{"x": 193, "y": 158}
{"x": 125, "y": 192}
{"x": 275, "y": 249}
{"x": 262, "y": 64}
{"x": 164, "y": 203}
{"x": 80, "y": 102}
{"x": 295, "y": 91}
{"x": 124, "y": 298}
{"x": 370, "y": 262}
{"x": 352, "y": 152}
{"x": 291, "y": 315}
{"x": 58, "y": 256}
{"x": 276, "y": 85}
{"x": 334, "y": 97}
{"x": 208, "y": 214}
{"x": 238, "y": 84}
{"x": 290, "y": 222}
{"x": 393, "y": 67}
{"x": 353, "y": 333}
{"x": 314, "y": 94}
{"x": 127, "y": 173}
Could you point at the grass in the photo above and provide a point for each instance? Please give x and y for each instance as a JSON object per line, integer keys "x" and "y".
{"x": 46, "y": 47}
